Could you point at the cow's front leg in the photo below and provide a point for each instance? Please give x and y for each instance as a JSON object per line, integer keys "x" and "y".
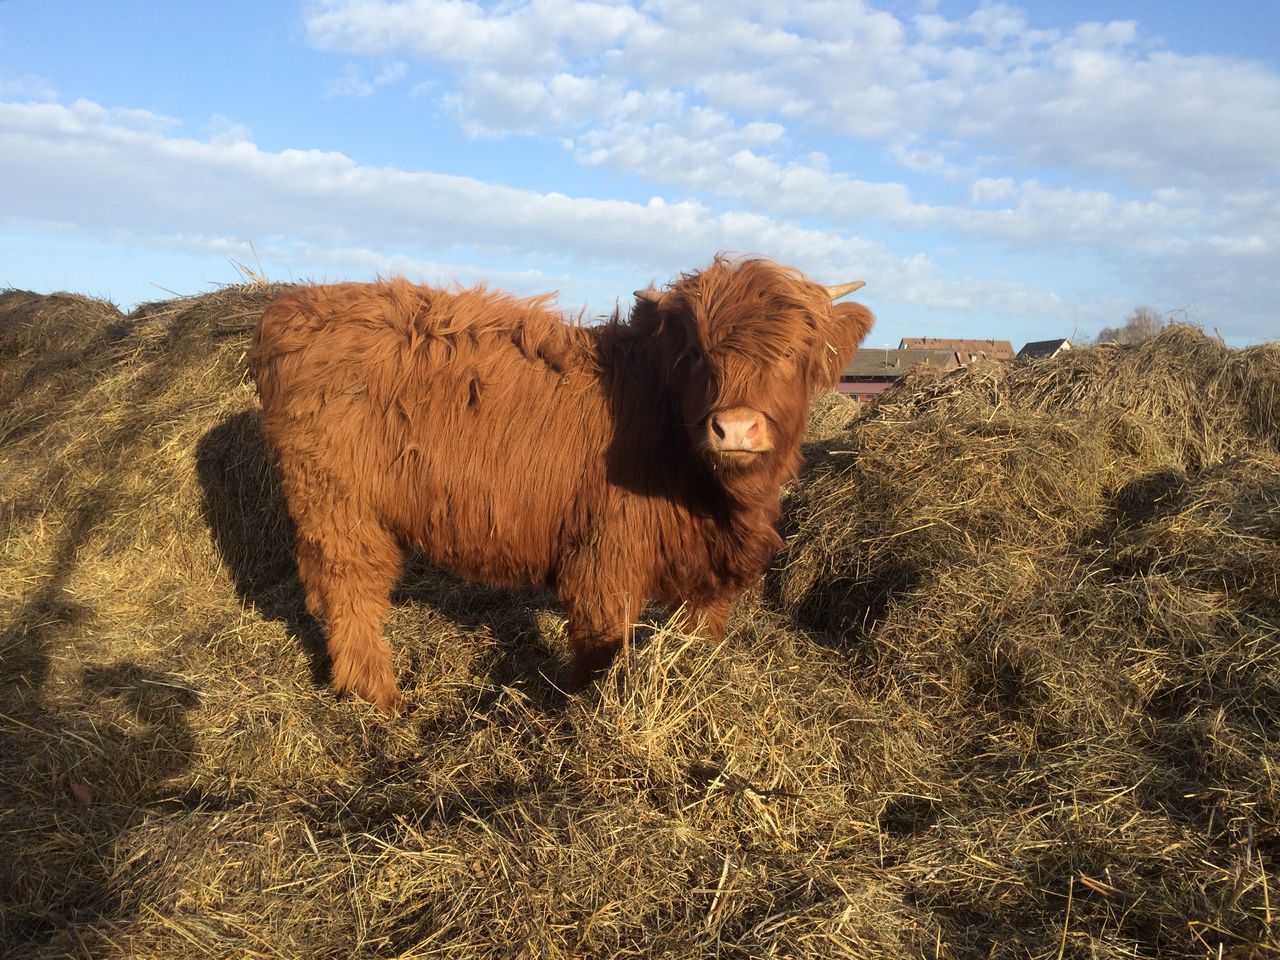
{"x": 601, "y": 615}
{"x": 348, "y": 582}
{"x": 710, "y": 617}
{"x": 596, "y": 634}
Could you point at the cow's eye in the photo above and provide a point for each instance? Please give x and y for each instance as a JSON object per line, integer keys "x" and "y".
{"x": 694, "y": 355}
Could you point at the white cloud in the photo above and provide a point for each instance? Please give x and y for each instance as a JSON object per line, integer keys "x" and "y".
{"x": 494, "y": 104}
{"x": 28, "y": 87}
{"x": 1090, "y": 99}
{"x": 712, "y": 157}
{"x": 1155, "y": 120}
{"x": 704, "y": 152}
{"x": 147, "y": 186}
{"x": 225, "y": 131}
{"x": 352, "y": 81}
{"x": 529, "y": 36}
{"x": 1084, "y": 159}
{"x": 1087, "y": 144}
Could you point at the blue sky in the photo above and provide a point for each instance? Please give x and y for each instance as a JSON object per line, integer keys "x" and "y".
{"x": 1021, "y": 171}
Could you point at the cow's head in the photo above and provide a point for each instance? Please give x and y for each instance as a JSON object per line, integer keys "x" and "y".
{"x": 746, "y": 347}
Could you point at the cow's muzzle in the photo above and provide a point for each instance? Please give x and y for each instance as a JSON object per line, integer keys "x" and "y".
{"x": 738, "y": 430}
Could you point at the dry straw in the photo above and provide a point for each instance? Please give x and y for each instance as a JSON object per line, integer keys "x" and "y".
{"x": 1012, "y": 691}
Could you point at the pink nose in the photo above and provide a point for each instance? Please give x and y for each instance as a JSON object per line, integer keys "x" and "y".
{"x": 739, "y": 428}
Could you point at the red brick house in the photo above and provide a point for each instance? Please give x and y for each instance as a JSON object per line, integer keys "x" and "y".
{"x": 872, "y": 371}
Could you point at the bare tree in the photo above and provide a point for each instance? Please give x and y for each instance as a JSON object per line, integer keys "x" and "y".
{"x": 1142, "y": 323}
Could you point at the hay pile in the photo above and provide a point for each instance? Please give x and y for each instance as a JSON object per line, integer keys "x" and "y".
{"x": 1014, "y": 689}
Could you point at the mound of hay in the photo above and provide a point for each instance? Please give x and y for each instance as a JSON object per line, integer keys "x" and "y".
{"x": 1013, "y": 690}
{"x": 831, "y": 415}
{"x": 1073, "y": 566}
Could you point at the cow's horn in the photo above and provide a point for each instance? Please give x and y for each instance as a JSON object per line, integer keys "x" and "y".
{"x": 845, "y": 289}
{"x": 653, "y": 296}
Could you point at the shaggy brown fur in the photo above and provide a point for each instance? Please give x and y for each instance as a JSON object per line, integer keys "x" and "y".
{"x": 633, "y": 460}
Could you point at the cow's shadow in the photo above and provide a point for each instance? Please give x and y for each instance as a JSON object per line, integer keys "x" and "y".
{"x": 244, "y": 507}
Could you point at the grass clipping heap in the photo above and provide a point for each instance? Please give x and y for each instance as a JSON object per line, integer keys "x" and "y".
{"x": 1013, "y": 689}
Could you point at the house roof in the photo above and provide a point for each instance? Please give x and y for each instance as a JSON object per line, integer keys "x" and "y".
{"x": 1000, "y": 349}
{"x": 891, "y": 364}
{"x": 1043, "y": 348}
{"x": 865, "y": 388}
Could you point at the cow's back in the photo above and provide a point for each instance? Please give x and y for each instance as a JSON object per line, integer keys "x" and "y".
{"x": 470, "y": 424}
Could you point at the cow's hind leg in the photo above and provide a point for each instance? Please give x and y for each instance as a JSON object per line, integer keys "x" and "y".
{"x": 348, "y": 575}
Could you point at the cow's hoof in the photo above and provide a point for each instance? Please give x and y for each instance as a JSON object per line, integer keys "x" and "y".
{"x": 386, "y": 697}
{"x": 391, "y": 703}
{"x": 579, "y": 679}
{"x": 588, "y": 667}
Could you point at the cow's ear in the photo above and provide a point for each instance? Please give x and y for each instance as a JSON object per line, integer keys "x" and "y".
{"x": 847, "y": 326}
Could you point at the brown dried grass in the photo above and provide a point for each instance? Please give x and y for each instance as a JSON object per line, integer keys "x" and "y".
{"x": 1013, "y": 691}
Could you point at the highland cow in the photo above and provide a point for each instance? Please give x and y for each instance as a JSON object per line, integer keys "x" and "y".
{"x": 637, "y": 459}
